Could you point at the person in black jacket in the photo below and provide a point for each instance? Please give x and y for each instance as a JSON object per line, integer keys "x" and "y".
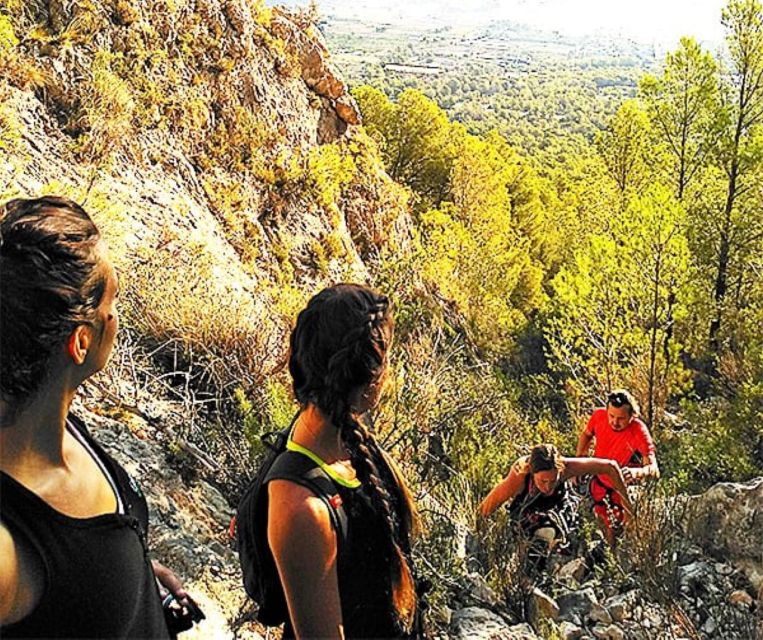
{"x": 73, "y": 556}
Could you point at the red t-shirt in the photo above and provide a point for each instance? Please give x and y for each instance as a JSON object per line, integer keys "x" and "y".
{"x": 619, "y": 445}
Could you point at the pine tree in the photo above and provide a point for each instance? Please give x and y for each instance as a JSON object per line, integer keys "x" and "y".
{"x": 682, "y": 104}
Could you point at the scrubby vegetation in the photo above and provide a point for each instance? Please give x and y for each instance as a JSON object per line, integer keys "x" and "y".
{"x": 618, "y": 264}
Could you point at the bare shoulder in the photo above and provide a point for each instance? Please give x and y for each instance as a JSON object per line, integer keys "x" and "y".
{"x": 521, "y": 466}
{"x": 297, "y": 519}
{"x": 9, "y": 573}
{"x": 296, "y": 501}
{"x": 21, "y": 578}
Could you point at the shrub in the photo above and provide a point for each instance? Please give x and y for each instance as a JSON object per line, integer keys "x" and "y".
{"x": 720, "y": 441}
{"x": 329, "y": 169}
{"x": 107, "y": 109}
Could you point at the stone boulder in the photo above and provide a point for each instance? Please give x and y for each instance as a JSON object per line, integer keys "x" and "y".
{"x": 600, "y": 614}
{"x": 621, "y": 606}
{"x": 727, "y": 521}
{"x": 574, "y": 570}
{"x": 543, "y": 605}
{"x": 608, "y": 632}
{"x": 569, "y": 631}
{"x": 474, "y": 623}
{"x": 575, "y": 606}
{"x": 480, "y": 591}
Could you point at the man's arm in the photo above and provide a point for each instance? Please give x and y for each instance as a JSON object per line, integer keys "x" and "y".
{"x": 645, "y": 446}
{"x": 600, "y": 467}
{"x": 584, "y": 443}
{"x": 649, "y": 470}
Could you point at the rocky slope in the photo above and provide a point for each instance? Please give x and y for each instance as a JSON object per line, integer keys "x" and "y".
{"x": 220, "y": 153}
{"x": 717, "y": 592}
{"x": 215, "y": 146}
{"x": 708, "y": 587}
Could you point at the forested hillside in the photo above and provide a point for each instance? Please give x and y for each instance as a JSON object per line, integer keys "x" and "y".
{"x": 634, "y": 262}
{"x": 545, "y": 92}
{"x": 584, "y": 232}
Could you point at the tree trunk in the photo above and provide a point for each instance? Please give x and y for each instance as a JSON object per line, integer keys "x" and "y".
{"x": 722, "y": 275}
{"x": 653, "y": 341}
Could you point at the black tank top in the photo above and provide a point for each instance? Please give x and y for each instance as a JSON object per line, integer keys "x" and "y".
{"x": 531, "y": 500}
{"x": 365, "y": 585}
{"x": 98, "y": 577}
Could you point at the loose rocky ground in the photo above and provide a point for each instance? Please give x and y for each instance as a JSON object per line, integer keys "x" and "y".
{"x": 189, "y": 533}
{"x": 189, "y": 519}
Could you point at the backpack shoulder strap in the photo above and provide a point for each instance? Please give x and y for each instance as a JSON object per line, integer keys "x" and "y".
{"x": 297, "y": 468}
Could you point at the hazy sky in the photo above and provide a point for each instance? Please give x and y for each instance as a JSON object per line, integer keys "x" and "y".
{"x": 649, "y": 20}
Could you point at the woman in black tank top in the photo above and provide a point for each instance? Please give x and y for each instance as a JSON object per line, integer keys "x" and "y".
{"x": 72, "y": 523}
{"x": 366, "y": 589}
{"x": 537, "y": 489}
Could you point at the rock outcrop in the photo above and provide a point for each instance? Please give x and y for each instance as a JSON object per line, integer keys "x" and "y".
{"x": 224, "y": 182}
{"x": 473, "y": 623}
{"x": 727, "y": 521}
{"x": 705, "y": 586}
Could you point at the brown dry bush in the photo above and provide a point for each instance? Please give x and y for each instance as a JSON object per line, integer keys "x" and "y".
{"x": 653, "y": 542}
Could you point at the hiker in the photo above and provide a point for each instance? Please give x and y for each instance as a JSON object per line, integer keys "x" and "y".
{"x": 542, "y": 504}
{"x": 364, "y": 587}
{"x": 73, "y": 558}
{"x": 620, "y": 436}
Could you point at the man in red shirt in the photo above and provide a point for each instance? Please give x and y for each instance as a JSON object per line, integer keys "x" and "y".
{"x": 620, "y": 436}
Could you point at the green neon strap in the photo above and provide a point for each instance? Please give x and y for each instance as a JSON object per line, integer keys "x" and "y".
{"x": 293, "y": 446}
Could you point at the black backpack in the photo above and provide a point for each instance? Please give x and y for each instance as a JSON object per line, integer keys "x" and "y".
{"x": 258, "y": 566}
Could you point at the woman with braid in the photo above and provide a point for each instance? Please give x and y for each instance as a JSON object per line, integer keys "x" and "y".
{"x": 365, "y": 589}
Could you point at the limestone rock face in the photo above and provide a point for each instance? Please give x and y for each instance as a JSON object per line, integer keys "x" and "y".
{"x": 182, "y": 223}
{"x": 727, "y": 521}
{"x": 317, "y": 71}
{"x": 347, "y": 109}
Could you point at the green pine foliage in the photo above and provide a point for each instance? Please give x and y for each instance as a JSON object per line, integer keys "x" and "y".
{"x": 610, "y": 266}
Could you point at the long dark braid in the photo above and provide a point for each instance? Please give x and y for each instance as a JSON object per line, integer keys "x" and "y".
{"x": 338, "y": 354}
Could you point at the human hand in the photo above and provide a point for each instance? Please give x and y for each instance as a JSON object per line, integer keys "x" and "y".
{"x": 169, "y": 583}
{"x": 180, "y": 609}
{"x": 628, "y": 475}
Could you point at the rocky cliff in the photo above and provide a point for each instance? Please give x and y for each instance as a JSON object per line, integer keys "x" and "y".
{"x": 219, "y": 152}
{"x": 214, "y": 144}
